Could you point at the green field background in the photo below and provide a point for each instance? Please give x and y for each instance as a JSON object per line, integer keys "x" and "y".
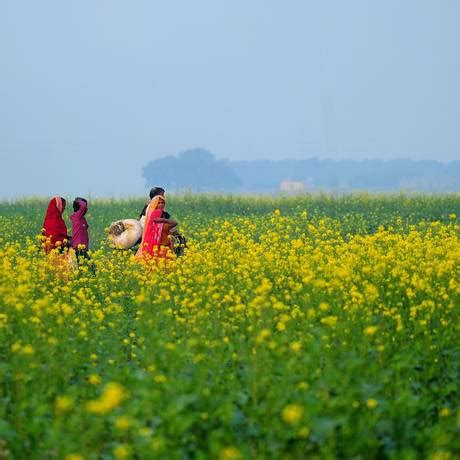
{"x": 313, "y": 326}
{"x": 359, "y": 213}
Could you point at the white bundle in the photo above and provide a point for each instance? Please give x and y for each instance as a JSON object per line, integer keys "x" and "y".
{"x": 124, "y": 234}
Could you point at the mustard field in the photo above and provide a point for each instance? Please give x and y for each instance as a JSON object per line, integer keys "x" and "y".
{"x": 305, "y": 327}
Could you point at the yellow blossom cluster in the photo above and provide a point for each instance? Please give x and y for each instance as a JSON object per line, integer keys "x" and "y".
{"x": 282, "y": 332}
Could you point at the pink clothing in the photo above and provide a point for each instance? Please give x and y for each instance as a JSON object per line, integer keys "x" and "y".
{"x": 80, "y": 226}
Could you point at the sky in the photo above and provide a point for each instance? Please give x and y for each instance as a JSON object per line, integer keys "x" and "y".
{"x": 91, "y": 91}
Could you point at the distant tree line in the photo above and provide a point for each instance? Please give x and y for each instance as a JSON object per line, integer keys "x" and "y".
{"x": 199, "y": 170}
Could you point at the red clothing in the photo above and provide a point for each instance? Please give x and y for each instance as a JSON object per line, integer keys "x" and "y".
{"x": 154, "y": 235}
{"x": 151, "y": 236}
{"x": 80, "y": 234}
{"x": 54, "y": 228}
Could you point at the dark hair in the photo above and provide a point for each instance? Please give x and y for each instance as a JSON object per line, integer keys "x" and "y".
{"x": 76, "y": 204}
{"x": 156, "y": 191}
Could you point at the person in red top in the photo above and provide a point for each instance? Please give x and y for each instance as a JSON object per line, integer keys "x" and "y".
{"x": 54, "y": 228}
{"x": 155, "y": 236}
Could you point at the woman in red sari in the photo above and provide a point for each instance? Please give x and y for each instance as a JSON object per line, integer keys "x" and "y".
{"x": 155, "y": 236}
{"x": 54, "y": 228}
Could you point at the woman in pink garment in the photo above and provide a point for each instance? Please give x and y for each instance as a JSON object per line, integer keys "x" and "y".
{"x": 80, "y": 235}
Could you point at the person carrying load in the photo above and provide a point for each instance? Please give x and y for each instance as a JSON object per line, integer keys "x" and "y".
{"x": 127, "y": 233}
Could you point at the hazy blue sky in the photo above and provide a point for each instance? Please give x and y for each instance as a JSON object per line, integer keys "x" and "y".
{"x": 92, "y": 90}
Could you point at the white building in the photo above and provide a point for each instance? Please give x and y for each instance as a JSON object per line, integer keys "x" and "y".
{"x": 291, "y": 186}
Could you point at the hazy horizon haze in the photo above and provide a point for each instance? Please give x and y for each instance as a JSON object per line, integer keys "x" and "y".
{"x": 90, "y": 92}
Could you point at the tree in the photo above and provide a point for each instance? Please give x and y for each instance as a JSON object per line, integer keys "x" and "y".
{"x": 195, "y": 169}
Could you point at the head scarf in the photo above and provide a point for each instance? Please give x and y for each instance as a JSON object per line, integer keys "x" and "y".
{"x": 54, "y": 226}
{"x": 80, "y": 206}
{"x": 56, "y": 207}
{"x": 152, "y": 233}
{"x": 155, "y": 201}
{"x": 60, "y": 203}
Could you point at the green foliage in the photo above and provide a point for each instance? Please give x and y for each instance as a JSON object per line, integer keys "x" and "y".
{"x": 294, "y": 327}
{"x": 358, "y": 213}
